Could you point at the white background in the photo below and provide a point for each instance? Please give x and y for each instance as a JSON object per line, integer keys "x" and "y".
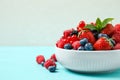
{"x": 41, "y": 22}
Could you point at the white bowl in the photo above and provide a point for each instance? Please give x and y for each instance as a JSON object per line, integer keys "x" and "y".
{"x": 88, "y": 61}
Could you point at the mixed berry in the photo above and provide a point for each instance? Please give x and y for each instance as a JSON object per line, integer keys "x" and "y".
{"x": 101, "y": 35}
{"x": 49, "y": 64}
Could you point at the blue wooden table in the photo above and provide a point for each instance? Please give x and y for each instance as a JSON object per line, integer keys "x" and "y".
{"x": 18, "y": 63}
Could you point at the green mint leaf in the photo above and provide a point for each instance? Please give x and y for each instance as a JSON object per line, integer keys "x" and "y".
{"x": 91, "y": 27}
{"x": 98, "y": 24}
{"x": 106, "y": 21}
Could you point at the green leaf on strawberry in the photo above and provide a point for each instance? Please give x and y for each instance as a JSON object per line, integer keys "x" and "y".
{"x": 99, "y": 24}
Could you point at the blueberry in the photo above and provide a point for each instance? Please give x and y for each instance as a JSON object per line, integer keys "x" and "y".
{"x": 74, "y": 32}
{"x": 88, "y": 46}
{"x": 68, "y": 46}
{"x": 112, "y": 41}
{"x": 102, "y": 35}
{"x": 42, "y": 63}
{"x": 81, "y": 48}
{"x": 52, "y": 68}
{"x": 83, "y": 41}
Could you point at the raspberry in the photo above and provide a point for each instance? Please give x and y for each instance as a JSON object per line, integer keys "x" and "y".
{"x": 60, "y": 44}
{"x": 53, "y": 57}
{"x": 66, "y": 33}
{"x": 57, "y": 43}
{"x": 109, "y": 29}
{"x": 76, "y": 45}
{"x": 48, "y": 63}
{"x": 40, "y": 59}
{"x": 117, "y": 46}
{"x": 117, "y": 28}
{"x": 116, "y": 37}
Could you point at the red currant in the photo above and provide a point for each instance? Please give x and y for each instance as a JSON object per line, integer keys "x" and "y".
{"x": 81, "y": 25}
{"x": 74, "y": 38}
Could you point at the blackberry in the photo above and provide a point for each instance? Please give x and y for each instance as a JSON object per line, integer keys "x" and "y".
{"x": 74, "y": 32}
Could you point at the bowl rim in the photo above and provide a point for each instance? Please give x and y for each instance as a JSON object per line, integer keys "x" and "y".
{"x": 87, "y": 51}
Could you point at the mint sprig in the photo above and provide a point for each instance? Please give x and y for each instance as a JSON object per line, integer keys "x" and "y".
{"x": 106, "y": 21}
{"x": 99, "y": 24}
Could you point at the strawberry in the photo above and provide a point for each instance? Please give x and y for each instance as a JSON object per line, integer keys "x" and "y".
{"x": 117, "y": 46}
{"x": 103, "y": 44}
{"x": 108, "y": 29}
{"x": 117, "y": 28}
{"x": 87, "y": 34}
{"x": 116, "y": 37}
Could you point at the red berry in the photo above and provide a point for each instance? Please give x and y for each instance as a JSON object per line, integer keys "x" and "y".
{"x": 74, "y": 38}
{"x": 116, "y": 37}
{"x": 66, "y": 33}
{"x": 40, "y": 59}
{"x": 48, "y": 63}
{"x": 69, "y": 38}
{"x": 65, "y": 41}
{"x": 53, "y": 57}
{"x": 117, "y": 46}
{"x": 108, "y": 29}
{"x": 102, "y": 44}
{"x": 76, "y": 45}
{"x": 57, "y": 43}
{"x": 81, "y": 25}
{"x": 117, "y": 28}
{"x": 61, "y": 44}
{"x": 87, "y": 34}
